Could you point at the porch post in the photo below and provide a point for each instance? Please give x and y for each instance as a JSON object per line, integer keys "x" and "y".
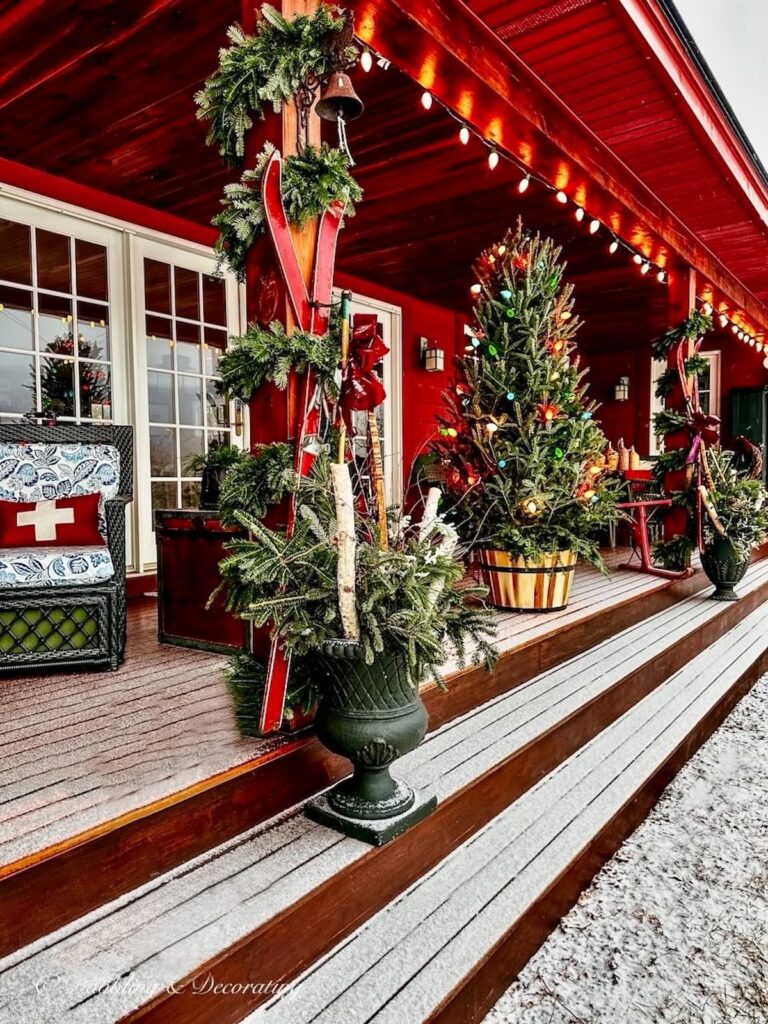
{"x": 274, "y": 415}
{"x": 682, "y": 302}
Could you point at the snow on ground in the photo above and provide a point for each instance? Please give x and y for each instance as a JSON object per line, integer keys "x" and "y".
{"x": 674, "y": 929}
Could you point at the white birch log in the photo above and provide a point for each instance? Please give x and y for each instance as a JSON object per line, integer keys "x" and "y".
{"x": 430, "y": 511}
{"x": 345, "y": 538}
{"x": 712, "y": 511}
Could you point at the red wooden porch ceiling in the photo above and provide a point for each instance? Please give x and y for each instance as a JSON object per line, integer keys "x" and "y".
{"x": 101, "y": 93}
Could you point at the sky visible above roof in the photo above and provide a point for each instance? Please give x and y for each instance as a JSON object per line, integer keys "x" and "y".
{"x": 732, "y": 37}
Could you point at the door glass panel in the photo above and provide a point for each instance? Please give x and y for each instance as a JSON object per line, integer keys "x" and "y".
{"x": 189, "y": 349}
{"x": 91, "y": 267}
{"x": 57, "y": 385}
{"x": 15, "y": 252}
{"x": 164, "y": 494}
{"x": 16, "y": 319}
{"x": 93, "y": 331}
{"x": 53, "y": 261}
{"x": 17, "y": 383}
{"x": 95, "y": 390}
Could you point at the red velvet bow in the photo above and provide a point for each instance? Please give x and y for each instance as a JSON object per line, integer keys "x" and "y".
{"x": 705, "y": 429}
{"x": 361, "y": 387}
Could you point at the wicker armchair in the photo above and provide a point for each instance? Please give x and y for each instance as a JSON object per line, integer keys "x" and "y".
{"x": 71, "y": 624}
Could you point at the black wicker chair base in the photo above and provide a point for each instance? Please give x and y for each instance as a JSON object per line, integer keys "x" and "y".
{"x": 67, "y": 627}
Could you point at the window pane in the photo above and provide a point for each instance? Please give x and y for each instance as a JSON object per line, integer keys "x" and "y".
{"x": 190, "y": 494}
{"x": 164, "y": 494}
{"x": 57, "y": 386}
{"x": 91, "y": 260}
{"x": 191, "y": 443}
{"x": 187, "y": 298}
{"x": 55, "y": 325}
{"x": 15, "y": 252}
{"x": 162, "y": 451}
{"x": 215, "y": 347}
{"x": 191, "y": 401}
{"x": 216, "y": 406}
{"x": 157, "y": 287}
{"x": 17, "y": 383}
{"x": 53, "y": 270}
{"x": 219, "y": 436}
{"x": 16, "y": 319}
{"x": 704, "y": 402}
{"x": 95, "y": 391}
{"x": 93, "y": 330}
{"x": 214, "y": 300}
{"x": 159, "y": 344}
{"x": 162, "y": 407}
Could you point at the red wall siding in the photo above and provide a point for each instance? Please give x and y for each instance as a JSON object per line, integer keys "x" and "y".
{"x": 422, "y": 391}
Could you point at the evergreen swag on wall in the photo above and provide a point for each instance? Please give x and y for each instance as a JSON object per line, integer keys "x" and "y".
{"x": 270, "y": 68}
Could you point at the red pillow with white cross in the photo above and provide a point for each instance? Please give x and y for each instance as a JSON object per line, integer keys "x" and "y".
{"x": 60, "y": 522}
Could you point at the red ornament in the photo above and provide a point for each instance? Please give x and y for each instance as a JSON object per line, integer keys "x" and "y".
{"x": 521, "y": 261}
{"x": 556, "y": 346}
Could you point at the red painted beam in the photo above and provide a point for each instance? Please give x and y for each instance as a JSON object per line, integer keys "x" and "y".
{"x": 449, "y": 50}
{"x": 63, "y": 190}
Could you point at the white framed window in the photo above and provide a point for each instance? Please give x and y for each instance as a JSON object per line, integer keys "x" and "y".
{"x": 709, "y": 390}
{"x": 390, "y": 413}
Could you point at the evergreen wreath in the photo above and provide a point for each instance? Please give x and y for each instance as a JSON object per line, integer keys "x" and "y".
{"x": 269, "y": 67}
{"x": 271, "y": 354}
{"x": 311, "y": 181}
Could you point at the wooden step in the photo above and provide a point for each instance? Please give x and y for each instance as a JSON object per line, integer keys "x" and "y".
{"x": 448, "y": 947}
{"x": 271, "y": 902}
{"x": 98, "y": 865}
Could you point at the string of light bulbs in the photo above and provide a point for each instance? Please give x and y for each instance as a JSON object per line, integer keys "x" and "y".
{"x": 529, "y": 176}
{"x": 753, "y": 340}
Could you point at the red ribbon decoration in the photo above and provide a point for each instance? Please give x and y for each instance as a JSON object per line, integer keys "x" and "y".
{"x": 706, "y": 430}
{"x": 361, "y": 387}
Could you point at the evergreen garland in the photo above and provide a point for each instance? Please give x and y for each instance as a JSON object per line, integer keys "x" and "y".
{"x": 256, "y": 482}
{"x": 521, "y": 453}
{"x": 269, "y": 67}
{"x": 310, "y": 182}
{"x": 271, "y": 354}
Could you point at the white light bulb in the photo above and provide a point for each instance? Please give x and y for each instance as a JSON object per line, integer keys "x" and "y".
{"x": 661, "y": 276}
{"x": 493, "y": 159}
{"x": 594, "y": 226}
{"x": 637, "y": 258}
{"x": 426, "y": 100}
{"x": 491, "y": 428}
{"x": 723, "y": 320}
{"x": 613, "y": 247}
{"x": 561, "y": 197}
{"x": 524, "y": 183}
{"x": 752, "y": 342}
{"x": 706, "y": 308}
{"x": 579, "y": 213}
{"x": 476, "y": 289}
{"x": 645, "y": 268}
{"x": 464, "y": 135}
{"x": 759, "y": 346}
{"x": 366, "y": 60}
{"x": 735, "y": 328}
{"x": 765, "y": 362}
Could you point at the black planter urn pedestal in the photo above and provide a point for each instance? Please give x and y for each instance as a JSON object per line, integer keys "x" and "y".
{"x": 725, "y": 567}
{"x": 371, "y": 715}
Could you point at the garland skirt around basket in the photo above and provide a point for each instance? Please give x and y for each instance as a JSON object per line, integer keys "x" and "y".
{"x": 527, "y": 585}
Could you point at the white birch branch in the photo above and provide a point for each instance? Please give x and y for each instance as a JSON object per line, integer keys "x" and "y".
{"x": 346, "y": 540}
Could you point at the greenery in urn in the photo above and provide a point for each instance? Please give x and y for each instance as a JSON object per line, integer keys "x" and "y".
{"x": 738, "y": 508}
{"x": 411, "y": 598}
{"x": 283, "y": 57}
{"x": 310, "y": 182}
{"x": 521, "y": 453}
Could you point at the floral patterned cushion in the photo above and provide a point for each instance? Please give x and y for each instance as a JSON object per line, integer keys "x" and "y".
{"x": 41, "y": 472}
{"x": 54, "y": 566}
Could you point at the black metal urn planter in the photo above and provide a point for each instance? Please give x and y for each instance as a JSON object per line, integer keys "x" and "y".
{"x": 372, "y": 715}
{"x": 725, "y": 565}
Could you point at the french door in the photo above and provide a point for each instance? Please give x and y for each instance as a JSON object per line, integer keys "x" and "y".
{"x": 184, "y": 316}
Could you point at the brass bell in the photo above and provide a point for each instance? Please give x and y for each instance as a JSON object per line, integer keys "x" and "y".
{"x": 339, "y": 99}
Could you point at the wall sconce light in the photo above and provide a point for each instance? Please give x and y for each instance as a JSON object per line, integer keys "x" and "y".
{"x": 432, "y": 358}
{"x": 621, "y": 391}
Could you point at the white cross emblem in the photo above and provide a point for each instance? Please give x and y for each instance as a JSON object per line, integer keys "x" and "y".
{"x": 45, "y": 517}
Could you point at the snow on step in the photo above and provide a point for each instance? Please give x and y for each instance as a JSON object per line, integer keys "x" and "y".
{"x": 168, "y": 928}
{"x": 409, "y": 957}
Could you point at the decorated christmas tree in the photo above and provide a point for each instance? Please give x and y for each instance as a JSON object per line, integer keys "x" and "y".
{"x": 521, "y": 453}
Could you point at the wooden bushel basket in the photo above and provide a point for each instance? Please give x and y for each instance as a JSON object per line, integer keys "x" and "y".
{"x": 522, "y": 585}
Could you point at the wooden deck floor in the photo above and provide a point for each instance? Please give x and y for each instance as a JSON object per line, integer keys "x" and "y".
{"x": 77, "y": 751}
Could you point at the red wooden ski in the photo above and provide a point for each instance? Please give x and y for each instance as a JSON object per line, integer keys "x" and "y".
{"x": 312, "y": 314}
